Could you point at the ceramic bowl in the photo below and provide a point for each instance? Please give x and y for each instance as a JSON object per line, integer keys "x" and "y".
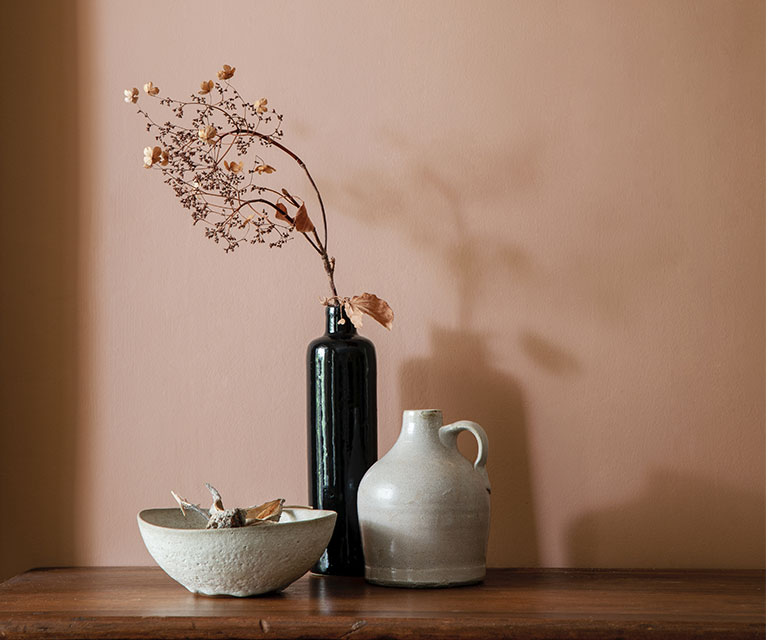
{"x": 244, "y": 561}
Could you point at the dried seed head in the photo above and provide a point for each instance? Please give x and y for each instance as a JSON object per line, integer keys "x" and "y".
{"x": 226, "y": 73}
{"x": 151, "y": 89}
{"x": 207, "y": 134}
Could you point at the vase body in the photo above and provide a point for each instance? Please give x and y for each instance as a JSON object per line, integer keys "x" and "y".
{"x": 341, "y": 421}
{"x": 425, "y": 509}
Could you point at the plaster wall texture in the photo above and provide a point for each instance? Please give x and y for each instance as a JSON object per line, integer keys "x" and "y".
{"x": 564, "y": 204}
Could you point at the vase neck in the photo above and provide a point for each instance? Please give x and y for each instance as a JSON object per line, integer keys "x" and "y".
{"x": 333, "y": 326}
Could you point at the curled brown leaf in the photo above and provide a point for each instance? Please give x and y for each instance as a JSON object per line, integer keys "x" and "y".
{"x": 370, "y": 305}
{"x": 281, "y": 213}
{"x": 302, "y": 221}
{"x": 269, "y": 511}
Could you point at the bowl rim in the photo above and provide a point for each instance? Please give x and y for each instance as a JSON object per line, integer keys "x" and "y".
{"x": 322, "y": 514}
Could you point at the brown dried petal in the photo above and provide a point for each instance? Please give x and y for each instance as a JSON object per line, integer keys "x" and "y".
{"x": 226, "y": 73}
{"x": 303, "y": 223}
{"x": 131, "y": 95}
{"x": 205, "y": 87}
{"x": 207, "y": 134}
{"x": 148, "y": 157}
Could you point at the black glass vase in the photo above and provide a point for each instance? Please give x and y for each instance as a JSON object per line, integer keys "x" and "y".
{"x": 341, "y": 420}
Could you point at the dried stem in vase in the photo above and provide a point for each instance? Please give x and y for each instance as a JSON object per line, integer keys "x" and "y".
{"x": 211, "y": 152}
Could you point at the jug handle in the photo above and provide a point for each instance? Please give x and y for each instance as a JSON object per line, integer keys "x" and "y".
{"x": 450, "y": 432}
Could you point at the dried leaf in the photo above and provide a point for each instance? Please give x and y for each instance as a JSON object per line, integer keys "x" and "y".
{"x": 282, "y": 213}
{"x": 372, "y": 306}
{"x": 217, "y": 505}
{"x": 269, "y": 511}
{"x": 220, "y": 518}
{"x": 355, "y": 314}
{"x": 303, "y": 223}
{"x": 290, "y": 198}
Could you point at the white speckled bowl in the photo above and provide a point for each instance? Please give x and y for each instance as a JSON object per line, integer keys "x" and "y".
{"x": 245, "y": 561}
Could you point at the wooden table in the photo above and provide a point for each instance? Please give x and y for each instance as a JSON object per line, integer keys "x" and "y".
{"x": 142, "y": 602}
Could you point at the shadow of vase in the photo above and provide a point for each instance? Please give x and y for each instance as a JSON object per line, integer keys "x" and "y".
{"x": 458, "y": 378}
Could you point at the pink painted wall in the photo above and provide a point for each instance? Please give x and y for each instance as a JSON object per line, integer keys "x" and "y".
{"x": 564, "y": 204}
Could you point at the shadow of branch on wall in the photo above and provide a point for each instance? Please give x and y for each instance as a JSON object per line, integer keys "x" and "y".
{"x": 38, "y": 284}
{"x": 692, "y": 517}
{"x": 458, "y": 377}
{"x": 436, "y": 206}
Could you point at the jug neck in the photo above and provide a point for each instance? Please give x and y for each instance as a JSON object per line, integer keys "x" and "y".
{"x": 337, "y": 323}
{"x": 421, "y": 425}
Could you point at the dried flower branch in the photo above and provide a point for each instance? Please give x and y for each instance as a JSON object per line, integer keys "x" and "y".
{"x": 209, "y": 153}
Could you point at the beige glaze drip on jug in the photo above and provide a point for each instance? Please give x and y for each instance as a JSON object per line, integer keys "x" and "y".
{"x": 424, "y": 508}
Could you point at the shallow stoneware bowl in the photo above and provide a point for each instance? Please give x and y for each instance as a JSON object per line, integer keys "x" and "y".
{"x": 244, "y": 561}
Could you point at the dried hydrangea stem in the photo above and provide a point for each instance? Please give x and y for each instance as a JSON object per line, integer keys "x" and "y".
{"x": 330, "y": 266}
{"x": 300, "y": 162}
{"x": 322, "y": 245}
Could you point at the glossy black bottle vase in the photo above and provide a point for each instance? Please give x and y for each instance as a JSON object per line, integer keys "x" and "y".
{"x": 341, "y": 420}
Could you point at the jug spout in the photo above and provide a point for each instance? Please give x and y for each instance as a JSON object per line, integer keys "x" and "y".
{"x": 421, "y": 424}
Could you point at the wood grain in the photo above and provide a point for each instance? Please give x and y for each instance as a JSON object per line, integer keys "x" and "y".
{"x": 142, "y": 602}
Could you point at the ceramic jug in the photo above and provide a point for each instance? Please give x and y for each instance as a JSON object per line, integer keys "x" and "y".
{"x": 424, "y": 509}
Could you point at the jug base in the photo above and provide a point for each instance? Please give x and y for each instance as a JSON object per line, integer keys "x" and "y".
{"x": 424, "y": 578}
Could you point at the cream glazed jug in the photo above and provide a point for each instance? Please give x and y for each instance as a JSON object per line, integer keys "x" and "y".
{"x": 424, "y": 508}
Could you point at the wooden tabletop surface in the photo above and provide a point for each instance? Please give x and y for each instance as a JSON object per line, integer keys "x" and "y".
{"x": 142, "y": 602}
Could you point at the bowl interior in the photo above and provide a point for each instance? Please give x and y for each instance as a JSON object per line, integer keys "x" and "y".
{"x": 174, "y": 519}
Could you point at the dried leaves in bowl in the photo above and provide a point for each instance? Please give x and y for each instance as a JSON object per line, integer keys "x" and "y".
{"x": 220, "y": 518}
